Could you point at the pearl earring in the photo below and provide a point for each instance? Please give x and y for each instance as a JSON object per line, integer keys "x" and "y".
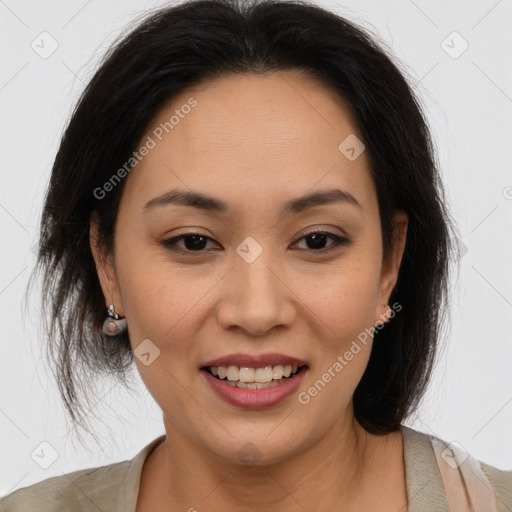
{"x": 113, "y": 324}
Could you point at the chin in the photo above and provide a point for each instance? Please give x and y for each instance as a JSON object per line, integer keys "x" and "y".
{"x": 255, "y": 450}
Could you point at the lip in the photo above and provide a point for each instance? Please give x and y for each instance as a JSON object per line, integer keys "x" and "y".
{"x": 254, "y": 361}
{"x": 253, "y": 398}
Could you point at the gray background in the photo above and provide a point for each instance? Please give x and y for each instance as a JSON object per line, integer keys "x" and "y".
{"x": 468, "y": 101}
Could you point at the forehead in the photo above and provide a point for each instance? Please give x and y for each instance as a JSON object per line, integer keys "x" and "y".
{"x": 254, "y": 136}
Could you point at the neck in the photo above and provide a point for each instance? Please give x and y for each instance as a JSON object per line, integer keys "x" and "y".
{"x": 330, "y": 471}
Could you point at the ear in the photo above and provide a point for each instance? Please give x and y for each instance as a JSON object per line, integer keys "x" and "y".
{"x": 104, "y": 267}
{"x": 391, "y": 266}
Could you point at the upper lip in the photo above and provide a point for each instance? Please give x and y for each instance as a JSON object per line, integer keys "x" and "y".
{"x": 254, "y": 361}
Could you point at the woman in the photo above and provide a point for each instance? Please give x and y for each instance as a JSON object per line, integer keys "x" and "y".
{"x": 251, "y": 191}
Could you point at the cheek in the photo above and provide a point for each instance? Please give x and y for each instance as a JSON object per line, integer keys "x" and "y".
{"x": 343, "y": 304}
{"x": 162, "y": 309}
{"x": 344, "y": 307}
{"x": 343, "y": 298}
{"x": 160, "y": 303}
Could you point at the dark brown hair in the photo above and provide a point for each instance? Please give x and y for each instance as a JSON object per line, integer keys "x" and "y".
{"x": 185, "y": 44}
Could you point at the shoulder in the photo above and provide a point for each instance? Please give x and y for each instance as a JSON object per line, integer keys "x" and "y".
{"x": 84, "y": 490}
{"x": 111, "y": 487}
{"x": 427, "y": 452}
{"x": 501, "y": 482}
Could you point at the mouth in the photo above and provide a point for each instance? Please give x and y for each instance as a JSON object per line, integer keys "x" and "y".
{"x": 255, "y": 378}
{"x": 254, "y": 382}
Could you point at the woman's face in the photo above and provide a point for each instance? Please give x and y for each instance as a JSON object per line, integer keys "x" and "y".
{"x": 256, "y": 288}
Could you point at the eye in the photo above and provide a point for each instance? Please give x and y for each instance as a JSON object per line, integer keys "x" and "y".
{"x": 194, "y": 242}
{"x": 318, "y": 239}
{"x": 197, "y": 242}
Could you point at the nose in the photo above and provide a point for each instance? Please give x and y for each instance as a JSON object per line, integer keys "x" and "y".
{"x": 255, "y": 297}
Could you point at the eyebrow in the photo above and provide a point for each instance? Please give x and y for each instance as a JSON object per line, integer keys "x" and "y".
{"x": 211, "y": 204}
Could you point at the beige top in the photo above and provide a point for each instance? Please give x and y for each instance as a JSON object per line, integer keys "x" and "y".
{"x": 115, "y": 487}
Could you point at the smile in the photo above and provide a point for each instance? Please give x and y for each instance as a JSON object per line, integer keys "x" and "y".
{"x": 257, "y": 383}
{"x": 254, "y": 378}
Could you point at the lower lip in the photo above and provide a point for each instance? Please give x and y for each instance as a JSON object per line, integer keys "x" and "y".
{"x": 255, "y": 398}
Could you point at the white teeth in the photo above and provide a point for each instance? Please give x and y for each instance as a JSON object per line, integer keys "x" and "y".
{"x": 254, "y": 385}
{"x": 250, "y": 376}
{"x": 263, "y": 374}
{"x": 233, "y": 373}
{"x": 277, "y": 372}
{"x": 246, "y": 374}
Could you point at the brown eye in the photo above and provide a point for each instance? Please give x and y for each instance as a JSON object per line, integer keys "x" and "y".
{"x": 193, "y": 242}
{"x": 317, "y": 239}
{"x": 197, "y": 242}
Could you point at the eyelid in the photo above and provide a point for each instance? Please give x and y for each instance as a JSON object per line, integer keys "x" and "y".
{"x": 339, "y": 241}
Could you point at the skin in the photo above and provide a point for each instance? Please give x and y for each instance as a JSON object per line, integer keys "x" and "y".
{"x": 256, "y": 141}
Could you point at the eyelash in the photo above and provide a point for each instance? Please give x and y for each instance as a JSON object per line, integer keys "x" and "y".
{"x": 170, "y": 243}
